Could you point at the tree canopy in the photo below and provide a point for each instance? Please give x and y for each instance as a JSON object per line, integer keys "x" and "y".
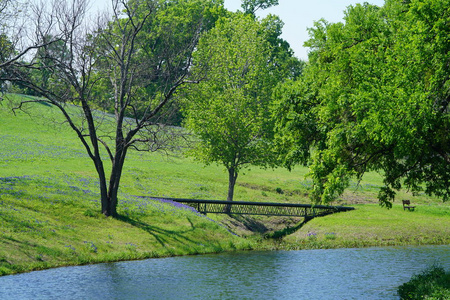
{"x": 228, "y": 110}
{"x": 374, "y": 96}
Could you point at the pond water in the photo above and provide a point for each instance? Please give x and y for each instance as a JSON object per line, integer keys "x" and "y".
{"x": 368, "y": 273}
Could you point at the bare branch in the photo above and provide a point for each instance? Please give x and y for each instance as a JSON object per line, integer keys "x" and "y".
{"x": 111, "y": 157}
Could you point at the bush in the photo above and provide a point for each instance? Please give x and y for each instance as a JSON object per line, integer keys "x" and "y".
{"x": 432, "y": 284}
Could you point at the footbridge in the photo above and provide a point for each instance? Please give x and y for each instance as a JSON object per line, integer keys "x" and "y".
{"x": 307, "y": 211}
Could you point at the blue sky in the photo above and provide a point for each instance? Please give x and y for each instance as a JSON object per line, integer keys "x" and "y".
{"x": 297, "y": 16}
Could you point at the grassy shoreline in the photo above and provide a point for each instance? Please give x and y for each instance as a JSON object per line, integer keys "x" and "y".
{"x": 49, "y": 206}
{"x": 47, "y": 226}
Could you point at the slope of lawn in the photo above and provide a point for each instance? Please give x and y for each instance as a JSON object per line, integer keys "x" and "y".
{"x": 49, "y": 205}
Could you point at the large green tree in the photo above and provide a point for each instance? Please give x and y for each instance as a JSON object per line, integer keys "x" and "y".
{"x": 228, "y": 110}
{"x": 374, "y": 96}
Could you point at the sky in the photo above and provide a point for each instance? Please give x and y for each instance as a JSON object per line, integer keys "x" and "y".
{"x": 297, "y": 15}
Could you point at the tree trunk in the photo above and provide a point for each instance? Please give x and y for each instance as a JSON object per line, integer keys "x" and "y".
{"x": 109, "y": 202}
{"x": 102, "y": 182}
{"x": 232, "y": 176}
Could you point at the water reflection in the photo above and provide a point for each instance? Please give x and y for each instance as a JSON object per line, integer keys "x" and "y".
{"x": 372, "y": 273}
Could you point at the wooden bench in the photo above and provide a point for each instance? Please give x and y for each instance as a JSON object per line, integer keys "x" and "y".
{"x": 407, "y": 205}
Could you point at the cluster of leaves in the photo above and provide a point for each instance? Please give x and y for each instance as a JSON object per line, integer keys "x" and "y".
{"x": 227, "y": 110}
{"x": 241, "y": 60}
{"x": 433, "y": 283}
{"x": 374, "y": 96}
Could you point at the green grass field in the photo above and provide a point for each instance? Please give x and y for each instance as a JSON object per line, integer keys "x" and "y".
{"x": 49, "y": 205}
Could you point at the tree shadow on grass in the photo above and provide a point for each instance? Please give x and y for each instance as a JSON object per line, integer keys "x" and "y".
{"x": 288, "y": 230}
{"x": 249, "y": 223}
{"x": 161, "y": 235}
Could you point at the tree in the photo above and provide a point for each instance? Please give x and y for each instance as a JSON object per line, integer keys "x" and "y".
{"x": 172, "y": 27}
{"x": 228, "y": 110}
{"x": 251, "y": 6}
{"x": 113, "y": 53}
{"x": 14, "y": 42}
{"x": 377, "y": 88}
{"x": 282, "y": 60}
{"x": 283, "y": 63}
{"x": 7, "y": 51}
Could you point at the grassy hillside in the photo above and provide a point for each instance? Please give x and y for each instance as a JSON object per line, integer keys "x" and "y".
{"x": 49, "y": 205}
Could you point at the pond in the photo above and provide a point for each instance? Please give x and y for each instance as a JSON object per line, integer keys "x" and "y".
{"x": 367, "y": 273}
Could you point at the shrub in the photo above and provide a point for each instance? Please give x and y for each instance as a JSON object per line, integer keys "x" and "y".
{"x": 432, "y": 284}
{"x": 279, "y": 190}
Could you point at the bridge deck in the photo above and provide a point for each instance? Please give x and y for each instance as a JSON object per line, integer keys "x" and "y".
{"x": 260, "y": 208}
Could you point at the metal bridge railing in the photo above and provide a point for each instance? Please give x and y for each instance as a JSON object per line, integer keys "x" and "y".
{"x": 259, "y": 208}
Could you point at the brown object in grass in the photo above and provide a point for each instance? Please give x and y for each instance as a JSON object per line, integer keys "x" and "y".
{"x": 407, "y": 205}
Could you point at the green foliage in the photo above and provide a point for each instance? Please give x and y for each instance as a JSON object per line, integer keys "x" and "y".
{"x": 296, "y": 124}
{"x": 433, "y": 283}
{"x": 45, "y": 75}
{"x": 165, "y": 45}
{"x": 251, "y": 6}
{"x": 282, "y": 64}
{"x": 228, "y": 110}
{"x": 6, "y": 46}
{"x": 374, "y": 96}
